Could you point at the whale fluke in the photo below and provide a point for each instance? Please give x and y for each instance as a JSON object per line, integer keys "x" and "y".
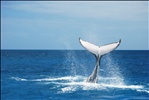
{"x": 98, "y": 52}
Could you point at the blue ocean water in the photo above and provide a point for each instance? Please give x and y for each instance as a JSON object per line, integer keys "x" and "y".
{"x": 61, "y": 75}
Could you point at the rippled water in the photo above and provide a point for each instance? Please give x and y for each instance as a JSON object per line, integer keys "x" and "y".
{"x": 39, "y": 74}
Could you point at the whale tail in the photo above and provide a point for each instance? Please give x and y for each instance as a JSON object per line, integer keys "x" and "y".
{"x": 98, "y": 52}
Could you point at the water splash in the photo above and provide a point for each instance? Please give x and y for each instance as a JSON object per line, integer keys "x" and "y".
{"x": 109, "y": 68}
{"x": 112, "y": 70}
{"x": 71, "y": 62}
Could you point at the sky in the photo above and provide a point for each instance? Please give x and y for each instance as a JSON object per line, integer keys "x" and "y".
{"x": 58, "y": 25}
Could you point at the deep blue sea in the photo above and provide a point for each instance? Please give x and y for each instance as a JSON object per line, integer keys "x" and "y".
{"x": 62, "y": 74}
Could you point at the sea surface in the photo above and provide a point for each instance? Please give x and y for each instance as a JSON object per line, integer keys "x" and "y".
{"x": 62, "y": 74}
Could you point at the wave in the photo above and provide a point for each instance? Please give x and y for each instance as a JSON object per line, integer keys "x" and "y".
{"x": 74, "y": 83}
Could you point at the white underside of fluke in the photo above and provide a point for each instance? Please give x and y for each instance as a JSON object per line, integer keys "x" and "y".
{"x": 99, "y": 50}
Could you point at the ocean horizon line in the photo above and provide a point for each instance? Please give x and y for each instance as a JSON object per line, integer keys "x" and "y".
{"x": 67, "y": 49}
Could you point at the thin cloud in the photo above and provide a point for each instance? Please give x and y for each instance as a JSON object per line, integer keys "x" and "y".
{"x": 86, "y": 9}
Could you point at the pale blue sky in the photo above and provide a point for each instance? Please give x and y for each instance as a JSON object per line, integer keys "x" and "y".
{"x": 59, "y": 24}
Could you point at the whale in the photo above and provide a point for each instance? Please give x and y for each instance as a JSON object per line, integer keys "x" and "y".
{"x": 98, "y": 52}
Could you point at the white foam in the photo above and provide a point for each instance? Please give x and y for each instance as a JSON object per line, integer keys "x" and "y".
{"x": 68, "y": 89}
{"x": 147, "y": 91}
{"x": 123, "y": 86}
{"x": 18, "y": 79}
{"x": 66, "y": 78}
{"x": 71, "y": 84}
{"x": 74, "y": 86}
